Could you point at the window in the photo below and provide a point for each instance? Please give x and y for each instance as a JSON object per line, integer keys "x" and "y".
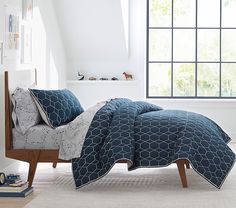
{"x": 191, "y": 48}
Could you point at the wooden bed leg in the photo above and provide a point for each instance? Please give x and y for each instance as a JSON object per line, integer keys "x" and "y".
{"x": 187, "y": 164}
{"x": 33, "y": 161}
{"x": 182, "y": 174}
{"x": 54, "y": 165}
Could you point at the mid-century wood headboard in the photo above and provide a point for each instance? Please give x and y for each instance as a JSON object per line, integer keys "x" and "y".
{"x": 25, "y": 78}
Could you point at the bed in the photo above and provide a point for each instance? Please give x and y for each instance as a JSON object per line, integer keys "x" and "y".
{"x": 122, "y": 131}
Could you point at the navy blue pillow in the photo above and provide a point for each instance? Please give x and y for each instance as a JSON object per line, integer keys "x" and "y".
{"x": 57, "y": 107}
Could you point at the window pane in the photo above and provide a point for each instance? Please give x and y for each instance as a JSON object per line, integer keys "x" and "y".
{"x": 229, "y": 45}
{"x": 208, "y": 80}
{"x": 160, "y": 45}
{"x": 184, "y": 79}
{"x": 159, "y": 79}
{"x": 208, "y": 13}
{"x": 184, "y": 45}
{"x": 228, "y": 13}
{"x": 160, "y": 13}
{"x": 184, "y": 13}
{"x": 208, "y": 45}
{"x": 228, "y": 80}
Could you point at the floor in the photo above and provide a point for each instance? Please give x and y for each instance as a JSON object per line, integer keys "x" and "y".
{"x": 46, "y": 175}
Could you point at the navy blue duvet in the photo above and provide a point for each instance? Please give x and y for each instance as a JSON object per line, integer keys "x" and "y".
{"x": 147, "y": 136}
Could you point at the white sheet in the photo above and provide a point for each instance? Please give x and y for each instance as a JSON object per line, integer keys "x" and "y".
{"x": 69, "y": 139}
{"x": 75, "y": 133}
{"x": 40, "y": 136}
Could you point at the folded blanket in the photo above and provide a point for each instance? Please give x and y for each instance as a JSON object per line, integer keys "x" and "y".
{"x": 145, "y": 135}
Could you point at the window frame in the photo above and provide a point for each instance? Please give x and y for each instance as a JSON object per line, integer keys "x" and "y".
{"x": 196, "y": 62}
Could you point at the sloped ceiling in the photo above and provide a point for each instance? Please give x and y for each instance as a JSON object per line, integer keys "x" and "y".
{"x": 92, "y": 30}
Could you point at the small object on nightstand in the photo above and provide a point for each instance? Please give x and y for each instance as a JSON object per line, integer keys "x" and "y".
{"x": 92, "y": 78}
{"x": 13, "y": 176}
{"x": 2, "y": 178}
{"x": 114, "y": 78}
{"x": 80, "y": 76}
{"x": 103, "y": 78}
{"x": 128, "y": 76}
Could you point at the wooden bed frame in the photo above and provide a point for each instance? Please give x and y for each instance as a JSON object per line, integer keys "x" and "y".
{"x": 34, "y": 156}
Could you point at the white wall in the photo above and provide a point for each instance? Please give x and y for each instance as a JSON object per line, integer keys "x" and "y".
{"x": 9, "y": 63}
{"x": 48, "y": 56}
{"x": 96, "y": 46}
{"x": 222, "y": 111}
{"x": 94, "y": 36}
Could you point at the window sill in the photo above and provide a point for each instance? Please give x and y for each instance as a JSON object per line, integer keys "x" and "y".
{"x": 195, "y": 103}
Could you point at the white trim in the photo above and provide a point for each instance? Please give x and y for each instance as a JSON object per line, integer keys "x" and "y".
{"x": 197, "y": 103}
{"x": 102, "y": 82}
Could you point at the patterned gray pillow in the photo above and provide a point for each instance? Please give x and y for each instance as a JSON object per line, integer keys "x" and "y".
{"x": 25, "y": 113}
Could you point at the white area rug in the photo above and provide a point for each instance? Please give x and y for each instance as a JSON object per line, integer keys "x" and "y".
{"x": 149, "y": 188}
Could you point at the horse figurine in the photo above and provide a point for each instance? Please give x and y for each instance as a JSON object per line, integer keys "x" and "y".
{"x": 128, "y": 76}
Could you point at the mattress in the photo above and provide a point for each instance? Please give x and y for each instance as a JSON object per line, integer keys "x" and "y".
{"x": 38, "y": 137}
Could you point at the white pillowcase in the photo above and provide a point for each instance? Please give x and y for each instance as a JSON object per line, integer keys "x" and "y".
{"x": 25, "y": 113}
